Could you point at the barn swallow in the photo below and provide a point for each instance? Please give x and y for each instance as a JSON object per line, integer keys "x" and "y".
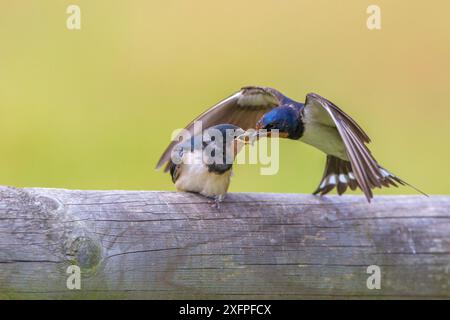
{"x": 203, "y": 164}
{"x": 317, "y": 122}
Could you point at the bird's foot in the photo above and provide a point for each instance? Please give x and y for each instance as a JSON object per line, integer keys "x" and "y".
{"x": 216, "y": 202}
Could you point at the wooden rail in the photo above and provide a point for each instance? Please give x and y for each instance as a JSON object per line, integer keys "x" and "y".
{"x": 133, "y": 244}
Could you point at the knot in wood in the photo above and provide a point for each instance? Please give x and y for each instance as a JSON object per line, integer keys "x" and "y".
{"x": 49, "y": 204}
{"x": 86, "y": 252}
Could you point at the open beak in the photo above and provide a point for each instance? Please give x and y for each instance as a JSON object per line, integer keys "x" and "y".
{"x": 248, "y": 137}
{"x": 260, "y": 132}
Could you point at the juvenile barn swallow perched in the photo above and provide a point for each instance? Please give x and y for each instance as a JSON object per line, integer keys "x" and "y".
{"x": 317, "y": 122}
{"x": 203, "y": 163}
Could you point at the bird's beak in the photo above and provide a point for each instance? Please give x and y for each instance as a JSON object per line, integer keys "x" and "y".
{"x": 248, "y": 137}
{"x": 259, "y": 133}
{"x": 239, "y": 142}
{"x": 259, "y": 126}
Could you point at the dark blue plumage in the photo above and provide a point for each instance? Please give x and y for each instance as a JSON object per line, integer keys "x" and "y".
{"x": 286, "y": 119}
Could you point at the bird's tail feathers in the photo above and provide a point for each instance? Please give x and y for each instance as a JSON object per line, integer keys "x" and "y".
{"x": 393, "y": 177}
{"x": 339, "y": 174}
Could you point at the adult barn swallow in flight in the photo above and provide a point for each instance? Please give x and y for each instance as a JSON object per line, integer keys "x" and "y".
{"x": 203, "y": 163}
{"x": 317, "y": 122}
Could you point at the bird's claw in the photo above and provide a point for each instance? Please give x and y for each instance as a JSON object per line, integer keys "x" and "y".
{"x": 216, "y": 202}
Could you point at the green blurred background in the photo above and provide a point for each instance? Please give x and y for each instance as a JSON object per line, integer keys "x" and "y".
{"x": 94, "y": 108}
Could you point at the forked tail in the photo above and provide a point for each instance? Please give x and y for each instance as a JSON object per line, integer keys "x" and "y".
{"x": 339, "y": 174}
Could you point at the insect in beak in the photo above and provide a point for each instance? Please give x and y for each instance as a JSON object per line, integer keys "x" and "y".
{"x": 248, "y": 137}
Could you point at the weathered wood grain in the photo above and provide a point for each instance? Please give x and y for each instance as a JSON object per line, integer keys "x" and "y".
{"x": 175, "y": 245}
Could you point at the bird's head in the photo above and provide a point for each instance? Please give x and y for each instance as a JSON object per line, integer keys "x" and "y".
{"x": 221, "y": 144}
{"x": 285, "y": 119}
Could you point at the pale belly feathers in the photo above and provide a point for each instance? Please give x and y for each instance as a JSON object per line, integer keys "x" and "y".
{"x": 195, "y": 177}
{"x": 324, "y": 138}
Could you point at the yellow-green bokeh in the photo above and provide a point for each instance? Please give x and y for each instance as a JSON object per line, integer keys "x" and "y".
{"x": 94, "y": 108}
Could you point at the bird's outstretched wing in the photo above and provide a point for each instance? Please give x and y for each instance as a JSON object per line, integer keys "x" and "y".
{"x": 243, "y": 109}
{"x": 362, "y": 170}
